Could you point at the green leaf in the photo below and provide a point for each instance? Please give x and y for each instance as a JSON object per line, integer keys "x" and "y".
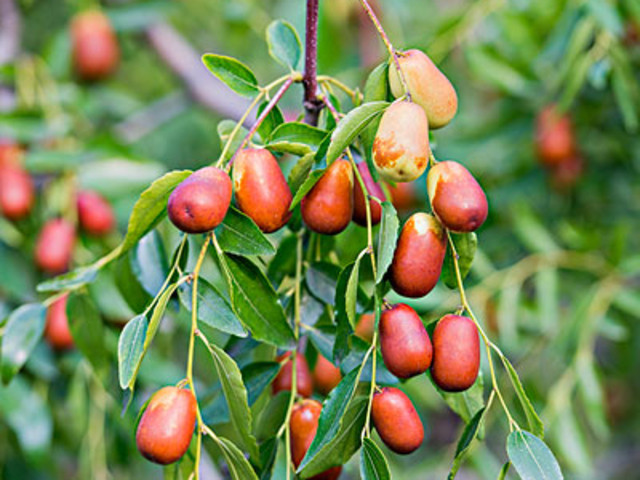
{"x": 73, "y": 279}
{"x": 470, "y": 432}
{"x": 373, "y": 464}
{"x": 149, "y": 263}
{"x": 236, "y": 396}
{"x": 131, "y": 349}
{"x": 21, "y": 333}
{"x": 351, "y": 125}
{"x": 531, "y": 457}
{"x": 351, "y": 297}
{"x": 213, "y": 308}
{"x": 306, "y": 186}
{"x": 535, "y": 424}
{"x": 151, "y": 207}
{"x": 225, "y": 128}
{"x": 235, "y": 74}
{"x": 284, "y": 44}
{"x": 239, "y": 466}
{"x": 296, "y": 138}
{"x": 240, "y": 235}
{"x": 256, "y": 303}
{"x": 376, "y": 88}
{"x": 300, "y": 172}
{"x": 158, "y": 314}
{"x": 504, "y": 470}
{"x": 387, "y": 239}
{"x": 273, "y": 119}
{"x": 466, "y": 246}
{"x": 88, "y": 330}
{"x": 468, "y": 403}
{"x": 257, "y": 377}
{"x": 344, "y": 327}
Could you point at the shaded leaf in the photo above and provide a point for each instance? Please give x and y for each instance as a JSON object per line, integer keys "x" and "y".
{"x": 88, "y": 330}
{"x": 284, "y": 44}
{"x": 239, "y": 466}
{"x": 130, "y": 350}
{"x": 531, "y": 458}
{"x": 387, "y": 239}
{"x": 240, "y": 235}
{"x": 373, "y": 464}
{"x": 21, "y": 333}
{"x": 466, "y": 245}
{"x": 470, "y": 432}
{"x": 535, "y": 424}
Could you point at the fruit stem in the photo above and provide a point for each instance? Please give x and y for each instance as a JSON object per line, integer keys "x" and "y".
{"x": 326, "y": 79}
{"x": 387, "y": 43}
{"x": 312, "y": 105}
{"x": 373, "y": 387}
{"x": 238, "y": 126}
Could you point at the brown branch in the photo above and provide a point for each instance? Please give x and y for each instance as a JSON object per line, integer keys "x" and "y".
{"x": 312, "y": 104}
{"x": 10, "y": 29}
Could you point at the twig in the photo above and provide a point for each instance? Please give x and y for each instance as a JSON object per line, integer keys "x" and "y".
{"x": 312, "y": 104}
{"x": 10, "y": 29}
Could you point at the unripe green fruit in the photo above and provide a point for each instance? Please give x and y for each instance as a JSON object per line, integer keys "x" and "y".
{"x": 428, "y": 87}
{"x": 95, "y": 215}
{"x": 456, "y": 353}
{"x": 328, "y": 207}
{"x": 17, "y": 193}
{"x": 554, "y": 137}
{"x": 200, "y": 202}
{"x": 397, "y": 421}
{"x": 456, "y": 197}
{"x": 166, "y": 426}
{"x": 57, "y": 330}
{"x": 404, "y": 342}
{"x": 401, "y": 145}
{"x": 360, "y": 206}
{"x": 94, "y": 46}
{"x": 261, "y": 190}
{"x": 54, "y": 246}
{"x": 304, "y": 382}
{"x": 326, "y": 376}
{"x": 417, "y": 260}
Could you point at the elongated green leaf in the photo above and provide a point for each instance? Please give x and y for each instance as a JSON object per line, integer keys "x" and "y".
{"x": 373, "y": 464}
{"x": 344, "y": 328}
{"x": 158, "y": 314}
{"x": 531, "y": 457}
{"x": 387, "y": 239}
{"x": 21, "y": 334}
{"x": 224, "y": 129}
{"x": 235, "y": 74}
{"x": 504, "y": 470}
{"x": 239, "y": 466}
{"x": 236, "y": 395}
{"x": 131, "y": 349}
{"x": 468, "y": 403}
{"x": 149, "y": 262}
{"x": 351, "y": 125}
{"x": 257, "y": 377}
{"x": 469, "y": 433}
{"x": 306, "y": 186}
{"x": 75, "y": 278}
{"x": 375, "y": 89}
{"x": 87, "y": 330}
{"x": 273, "y": 119}
{"x": 240, "y": 235}
{"x": 535, "y": 424}
{"x": 296, "y": 138}
{"x": 466, "y": 246}
{"x": 284, "y": 44}
{"x": 300, "y": 172}
{"x": 351, "y": 295}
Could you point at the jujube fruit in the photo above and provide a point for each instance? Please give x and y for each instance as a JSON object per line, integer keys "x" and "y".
{"x": 166, "y": 426}
{"x": 200, "y": 202}
{"x": 366, "y": 326}
{"x": 417, "y": 260}
{"x": 94, "y": 46}
{"x": 328, "y": 206}
{"x": 54, "y": 246}
{"x": 456, "y": 197}
{"x": 16, "y": 192}
{"x": 403, "y": 196}
{"x": 261, "y": 190}
{"x": 401, "y": 145}
{"x": 95, "y": 215}
{"x": 359, "y": 199}
{"x": 397, "y": 421}
{"x": 554, "y": 138}
{"x": 304, "y": 382}
{"x": 56, "y": 329}
{"x": 456, "y": 353}
{"x": 326, "y": 376}
{"x": 428, "y": 86}
{"x": 303, "y": 427}
{"x": 404, "y": 342}
{"x": 10, "y": 153}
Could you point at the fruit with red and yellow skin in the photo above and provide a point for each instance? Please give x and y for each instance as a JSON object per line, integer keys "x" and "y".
{"x": 417, "y": 260}
{"x": 328, "y": 207}
{"x": 94, "y": 44}
{"x": 554, "y": 137}
{"x": 428, "y": 86}
{"x": 200, "y": 202}
{"x": 303, "y": 427}
{"x": 17, "y": 192}
{"x": 54, "y": 246}
{"x": 403, "y": 196}
{"x": 57, "y": 331}
{"x": 261, "y": 190}
{"x": 304, "y": 382}
{"x": 359, "y": 199}
{"x": 166, "y": 426}
{"x": 95, "y": 215}
{"x": 366, "y": 326}
{"x": 456, "y": 197}
{"x": 456, "y": 353}
{"x": 404, "y": 342}
{"x": 401, "y": 145}
{"x": 326, "y": 376}
{"x": 397, "y": 421}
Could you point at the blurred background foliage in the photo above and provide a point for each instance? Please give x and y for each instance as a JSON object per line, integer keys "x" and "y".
{"x": 556, "y": 280}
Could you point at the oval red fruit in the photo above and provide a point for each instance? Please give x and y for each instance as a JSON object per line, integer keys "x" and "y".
{"x": 16, "y": 192}
{"x": 54, "y": 246}
{"x": 95, "y": 215}
{"x": 57, "y": 330}
{"x": 304, "y": 383}
{"x": 94, "y": 45}
{"x": 397, "y": 421}
{"x": 326, "y": 376}
{"x": 554, "y": 138}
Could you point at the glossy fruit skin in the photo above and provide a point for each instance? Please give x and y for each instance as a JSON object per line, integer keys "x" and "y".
{"x": 456, "y": 353}
{"x": 328, "y": 207}
{"x": 397, "y": 421}
{"x": 403, "y": 196}
{"x": 304, "y": 382}
{"x": 428, "y": 87}
{"x": 54, "y": 246}
{"x": 417, "y": 261}
{"x": 326, "y": 376}
{"x": 95, "y": 215}
{"x": 456, "y": 197}
{"x": 95, "y": 49}
{"x": 57, "y": 330}
{"x": 404, "y": 342}
{"x": 554, "y": 138}
{"x": 366, "y": 326}
{"x": 303, "y": 427}
{"x": 166, "y": 426}
{"x": 401, "y": 146}
{"x": 359, "y": 205}
{"x": 17, "y": 193}
{"x": 261, "y": 190}
{"x": 200, "y": 202}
